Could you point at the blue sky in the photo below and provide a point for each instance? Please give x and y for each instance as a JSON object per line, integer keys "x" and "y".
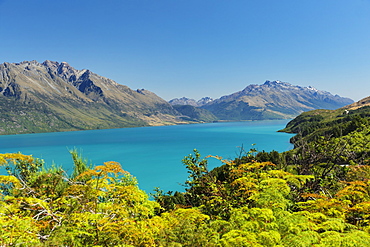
{"x": 197, "y": 48}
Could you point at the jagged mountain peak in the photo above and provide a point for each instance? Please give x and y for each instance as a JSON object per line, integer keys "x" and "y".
{"x": 192, "y": 102}
{"x": 50, "y": 64}
{"x": 280, "y": 85}
{"x": 204, "y": 101}
{"x": 313, "y": 89}
{"x": 276, "y": 83}
{"x": 33, "y": 62}
{"x": 64, "y": 66}
{"x": 54, "y": 74}
{"x": 183, "y": 101}
{"x": 66, "y": 71}
{"x": 59, "y": 80}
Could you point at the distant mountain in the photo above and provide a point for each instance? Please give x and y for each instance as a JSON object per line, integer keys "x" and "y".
{"x": 192, "y": 102}
{"x": 183, "y": 101}
{"x": 273, "y": 100}
{"x": 203, "y": 101}
{"x": 52, "y": 96}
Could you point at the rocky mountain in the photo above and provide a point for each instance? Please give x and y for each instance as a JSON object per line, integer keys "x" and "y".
{"x": 192, "y": 102}
{"x": 183, "y": 101}
{"x": 52, "y": 96}
{"x": 203, "y": 101}
{"x": 273, "y": 100}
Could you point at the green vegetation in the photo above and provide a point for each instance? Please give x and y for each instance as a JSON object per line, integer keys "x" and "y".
{"x": 317, "y": 194}
{"x": 20, "y": 118}
{"x": 333, "y": 123}
{"x": 192, "y": 113}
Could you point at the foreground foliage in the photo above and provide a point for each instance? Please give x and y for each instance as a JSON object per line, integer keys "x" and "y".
{"x": 245, "y": 204}
{"x": 317, "y": 194}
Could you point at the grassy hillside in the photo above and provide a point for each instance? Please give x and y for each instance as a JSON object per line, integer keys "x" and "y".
{"x": 310, "y": 126}
{"x": 19, "y": 118}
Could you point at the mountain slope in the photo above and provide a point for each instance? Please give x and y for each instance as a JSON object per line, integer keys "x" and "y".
{"x": 192, "y": 113}
{"x": 52, "y": 96}
{"x": 273, "y": 100}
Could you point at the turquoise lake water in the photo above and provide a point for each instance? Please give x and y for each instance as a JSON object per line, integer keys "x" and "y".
{"x": 152, "y": 154}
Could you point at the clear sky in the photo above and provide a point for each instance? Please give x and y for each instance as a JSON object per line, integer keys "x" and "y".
{"x": 197, "y": 48}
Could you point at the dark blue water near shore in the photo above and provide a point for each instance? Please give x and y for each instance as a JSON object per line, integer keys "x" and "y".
{"x": 152, "y": 154}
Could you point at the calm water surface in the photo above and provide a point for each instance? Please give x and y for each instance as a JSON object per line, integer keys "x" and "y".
{"x": 152, "y": 154}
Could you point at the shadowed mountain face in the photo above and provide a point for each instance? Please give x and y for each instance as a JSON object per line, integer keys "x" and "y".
{"x": 52, "y": 96}
{"x": 273, "y": 100}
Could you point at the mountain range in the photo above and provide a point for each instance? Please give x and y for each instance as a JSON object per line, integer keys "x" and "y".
{"x": 51, "y": 96}
{"x": 271, "y": 100}
{"x": 192, "y": 102}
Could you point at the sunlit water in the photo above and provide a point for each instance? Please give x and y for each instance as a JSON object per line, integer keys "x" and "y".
{"x": 152, "y": 154}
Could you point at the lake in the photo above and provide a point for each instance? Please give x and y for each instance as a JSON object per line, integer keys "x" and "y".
{"x": 152, "y": 154}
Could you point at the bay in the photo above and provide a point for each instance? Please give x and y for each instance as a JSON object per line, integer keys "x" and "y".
{"x": 152, "y": 154}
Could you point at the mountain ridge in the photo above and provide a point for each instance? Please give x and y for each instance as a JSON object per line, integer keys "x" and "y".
{"x": 71, "y": 99}
{"x": 192, "y": 102}
{"x": 273, "y": 100}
